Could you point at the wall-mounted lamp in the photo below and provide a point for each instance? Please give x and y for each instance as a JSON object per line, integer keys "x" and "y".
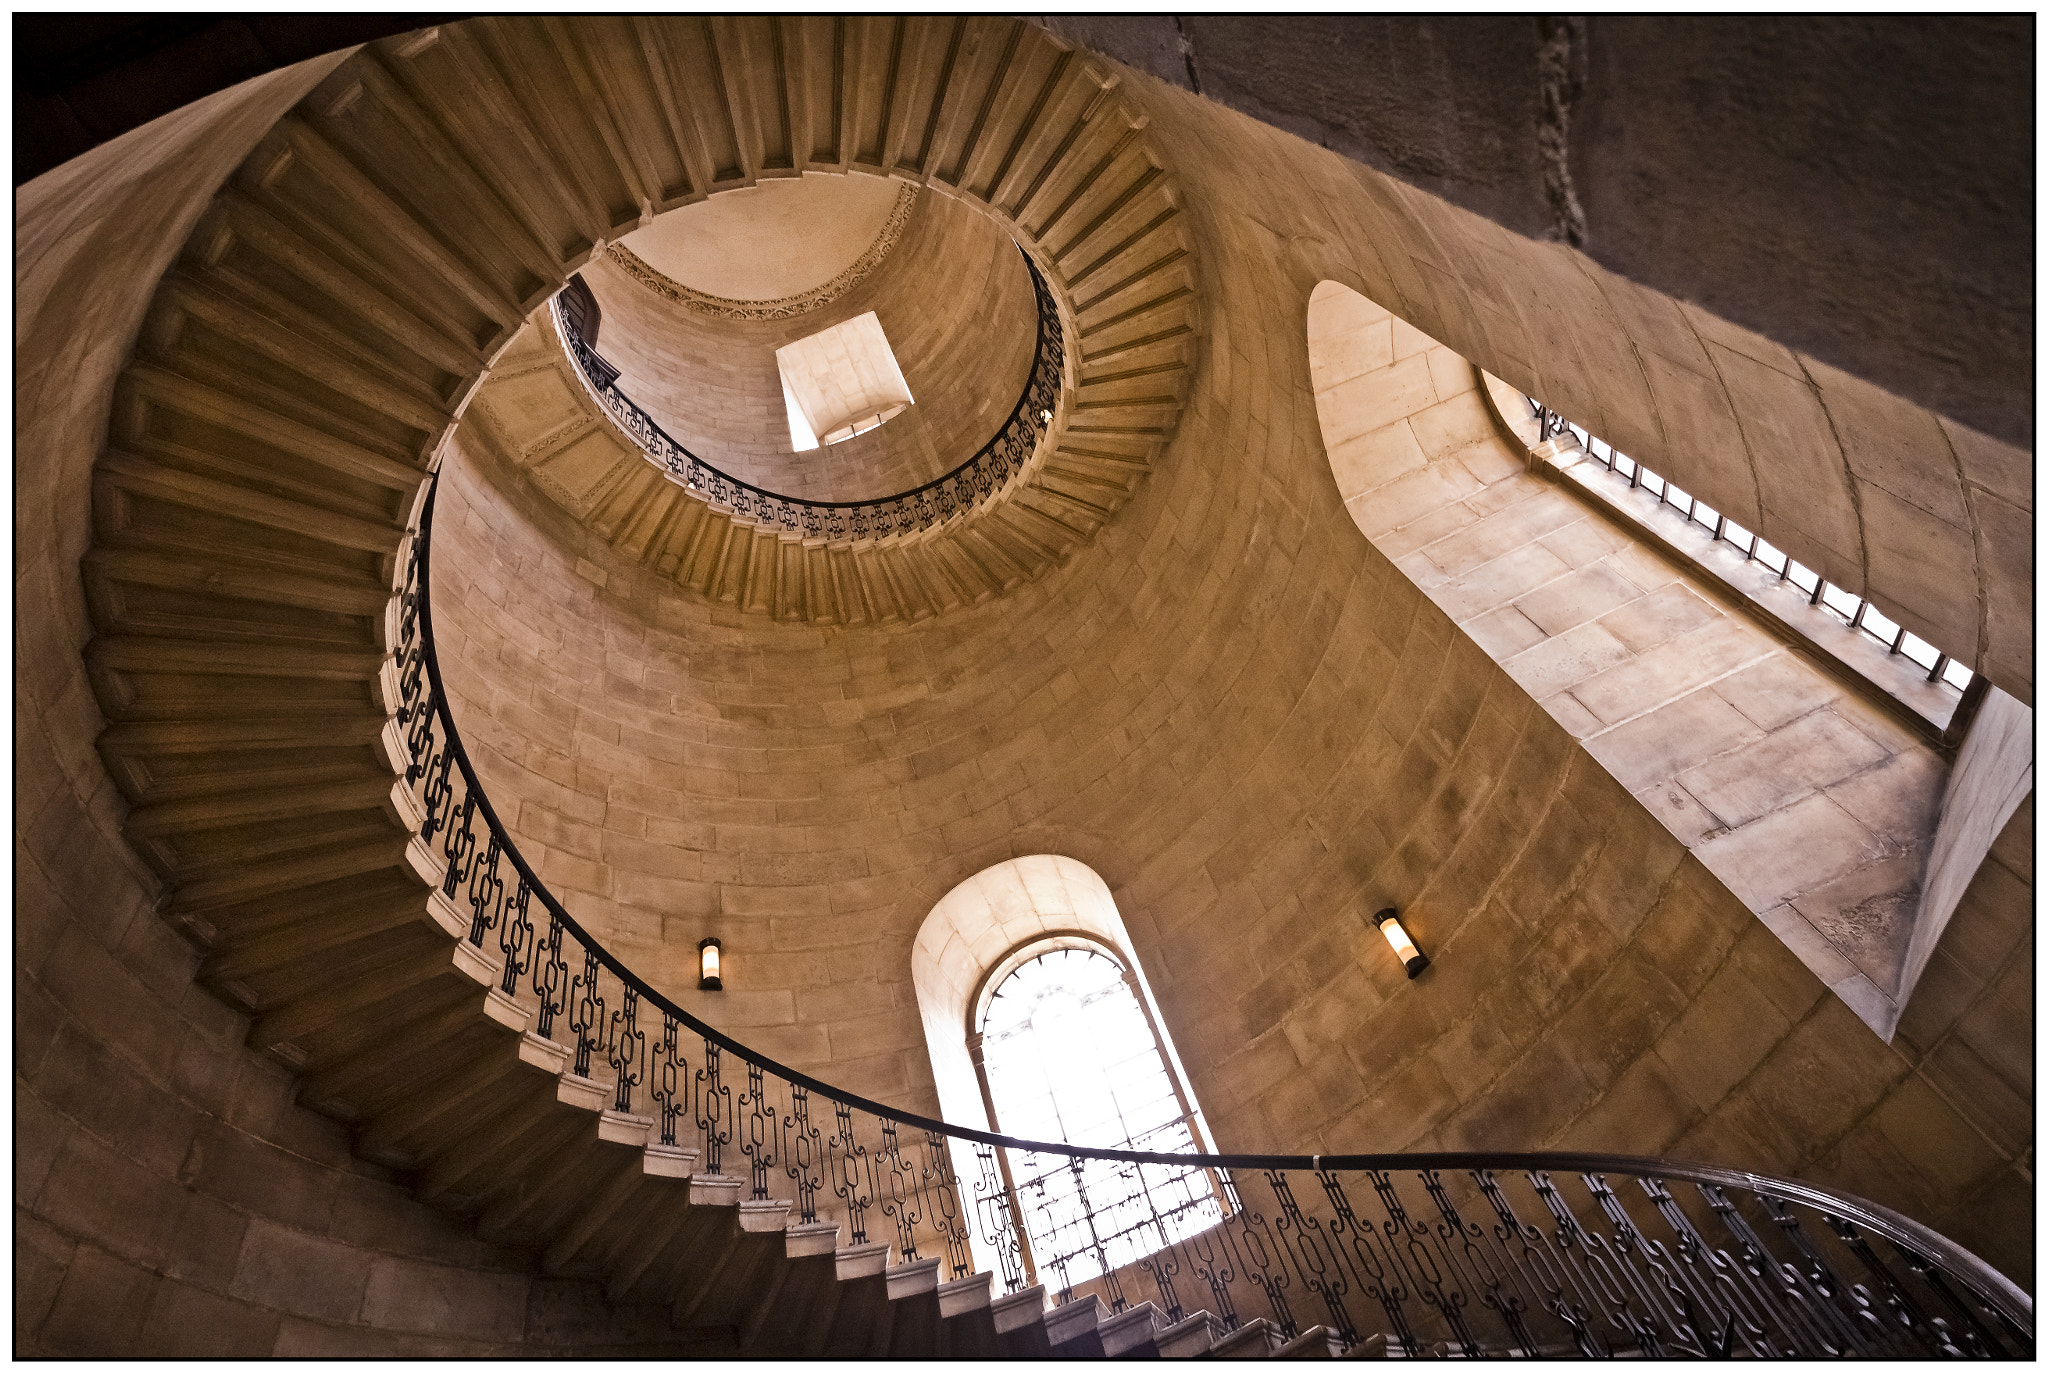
{"x": 1412, "y": 958}
{"x": 707, "y": 966}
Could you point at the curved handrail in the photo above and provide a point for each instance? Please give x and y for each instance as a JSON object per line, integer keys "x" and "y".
{"x": 473, "y": 860}
{"x": 990, "y": 468}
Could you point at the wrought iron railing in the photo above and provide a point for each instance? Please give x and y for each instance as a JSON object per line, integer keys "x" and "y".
{"x": 961, "y": 490}
{"x": 1450, "y": 1252}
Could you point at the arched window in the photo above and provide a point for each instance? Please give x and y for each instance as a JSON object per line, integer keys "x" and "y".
{"x": 1041, "y": 1025}
{"x": 1067, "y": 1050}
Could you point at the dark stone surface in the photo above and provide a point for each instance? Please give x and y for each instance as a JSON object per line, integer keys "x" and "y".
{"x": 1447, "y": 104}
{"x": 81, "y": 79}
{"x": 1859, "y": 188}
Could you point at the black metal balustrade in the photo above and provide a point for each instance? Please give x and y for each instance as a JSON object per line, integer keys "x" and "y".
{"x": 1536, "y": 1254}
{"x": 963, "y": 489}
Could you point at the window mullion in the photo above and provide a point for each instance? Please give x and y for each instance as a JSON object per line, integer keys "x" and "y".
{"x": 1180, "y": 1091}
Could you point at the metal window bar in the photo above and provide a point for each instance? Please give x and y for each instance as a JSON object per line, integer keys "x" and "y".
{"x": 1918, "y": 650}
{"x": 1537, "y": 1254}
{"x": 1083, "y": 1216}
{"x": 1854, "y": 609}
{"x": 1846, "y": 604}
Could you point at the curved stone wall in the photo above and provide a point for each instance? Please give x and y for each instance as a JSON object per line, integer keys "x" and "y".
{"x": 781, "y": 245}
{"x": 952, "y": 296}
{"x": 1258, "y": 732}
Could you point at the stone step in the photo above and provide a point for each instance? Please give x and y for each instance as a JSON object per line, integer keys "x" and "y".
{"x": 1316, "y": 1342}
{"x": 1257, "y": 1338}
{"x": 1132, "y": 1332}
{"x": 1190, "y": 1337}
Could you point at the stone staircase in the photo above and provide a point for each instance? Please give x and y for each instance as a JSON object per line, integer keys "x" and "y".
{"x": 537, "y": 415}
{"x": 268, "y": 775}
{"x": 329, "y": 320}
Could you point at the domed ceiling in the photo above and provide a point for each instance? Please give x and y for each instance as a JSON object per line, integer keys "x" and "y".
{"x": 777, "y": 247}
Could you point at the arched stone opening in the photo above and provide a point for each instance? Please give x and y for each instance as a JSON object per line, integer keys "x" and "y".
{"x": 984, "y": 929}
{"x": 1812, "y": 797}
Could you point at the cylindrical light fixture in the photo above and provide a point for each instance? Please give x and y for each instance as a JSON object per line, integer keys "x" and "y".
{"x": 1412, "y": 958}
{"x": 707, "y": 966}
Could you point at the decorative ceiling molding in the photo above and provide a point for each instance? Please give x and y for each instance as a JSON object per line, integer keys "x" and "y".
{"x": 802, "y": 303}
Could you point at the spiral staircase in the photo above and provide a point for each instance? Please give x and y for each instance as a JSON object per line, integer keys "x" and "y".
{"x": 327, "y": 324}
{"x": 266, "y": 474}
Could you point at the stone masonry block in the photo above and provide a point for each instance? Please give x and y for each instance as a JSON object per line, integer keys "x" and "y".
{"x": 1557, "y": 664}
{"x": 1583, "y": 595}
{"x": 1673, "y": 668}
{"x": 1726, "y": 1031}
{"x": 1790, "y": 851}
{"x": 1868, "y": 915}
{"x": 1659, "y": 617}
{"x": 1937, "y": 1140}
{"x": 189, "y": 1322}
{"x": 404, "y": 1294}
{"x": 41, "y": 1256}
{"x": 1666, "y": 740}
{"x": 100, "y": 1307}
{"x": 1792, "y": 762}
{"x": 1692, "y": 926}
{"x": 288, "y": 1270}
{"x": 1643, "y": 1111}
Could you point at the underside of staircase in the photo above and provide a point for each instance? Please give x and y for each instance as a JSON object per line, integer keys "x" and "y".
{"x": 269, "y": 776}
